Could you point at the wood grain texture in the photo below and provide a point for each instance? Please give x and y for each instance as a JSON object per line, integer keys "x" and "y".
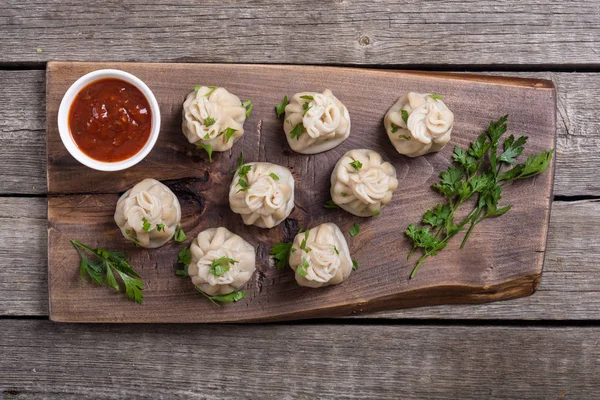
{"x": 577, "y": 158}
{"x": 479, "y": 273}
{"x": 22, "y": 132}
{"x": 52, "y": 361}
{"x": 569, "y": 289}
{"x": 360, "y": 32}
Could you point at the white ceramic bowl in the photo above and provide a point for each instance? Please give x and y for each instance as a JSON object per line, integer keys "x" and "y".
{"x": 65, "y": 132}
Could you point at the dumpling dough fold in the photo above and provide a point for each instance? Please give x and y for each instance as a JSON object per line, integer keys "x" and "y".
{"x": 364, "y": 191}
{"x": 268, "y": 198}
{"x": 207, "y": 114}
{"x": 324, "y": 259}
{"x": 427, "y": 128}
{"x": 325, "y": 122}
{"x": 213, "y": 244}
{"x": 148, "y": 202}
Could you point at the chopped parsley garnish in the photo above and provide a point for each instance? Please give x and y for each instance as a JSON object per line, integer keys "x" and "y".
{"x": 435, "y": 96}
{"x": 243, "y": 184}
{"x": 355, "y": 230}
{"x": 307, "y": 97}
{"x": 404, "y": 117}
{"x": 180, "y": 236}
{"x": 336, "y": 250}
{"x": 357, "y": 165}
{"x": 404, "y": 137}
{"x": 395, "y": 128}
{"x": 146, "y": 225}
{"x": 135, "y": 240}
{"x": 221, "y": 265}
{"x": 280, "y": 108}
{"x": 208, "y": 148}
{"x": 212, "y": 89}
{"x": 303, "y": 245}
{"x": 297, "y": 131}
{"x": 305, "y": 108}
{"x": 330, "y": 204}
{"x": 281, "y": 253}
{"x": 248, "y": 106}
{"x": 303, "y": 268}
{"x": 223, "y": 298}
{"x": 208, "y": 121}
{"x": 354, "y": 265}
{"x": 274, "y": 176}
{"x": 376, "y": 213}
{"x": 228, "y": 133}
{"x": 185, "y": 256}
{"x": 160, "y": 227}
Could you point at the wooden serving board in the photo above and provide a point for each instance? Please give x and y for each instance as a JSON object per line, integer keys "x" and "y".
{"x": 502, "y": 260}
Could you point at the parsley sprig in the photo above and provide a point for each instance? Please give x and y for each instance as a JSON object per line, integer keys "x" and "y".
{"x": 101, "y": 268}
{"x": 242, "y": 171}
{"x": 281, "y": 253}
{"x": 477, "y": 170}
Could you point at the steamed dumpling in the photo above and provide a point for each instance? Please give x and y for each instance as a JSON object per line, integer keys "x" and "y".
{"x": 427, "y": 127}
{"x": 148, "y": 214}
{"x": 362, "y": 183}
{"x": 222, "y": 262}
{"x": 320, "y": 256}
{"x": 315, "y": 122}
{"x": 213, "y": 116}
{"x": 263, "y": 195}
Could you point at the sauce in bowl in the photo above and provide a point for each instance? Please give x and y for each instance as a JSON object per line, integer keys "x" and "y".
{"x": 110, "y": 120}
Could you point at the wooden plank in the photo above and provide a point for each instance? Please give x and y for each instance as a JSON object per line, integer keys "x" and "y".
{"x": 482, "y": 272}
{"x": 22, "y": 132}
{"x": 569, "y": 289}
{"x": 577, "y": 158}
{"x": 361, "y": 32}
{"x": 23, "y": 256}
{"x": 46, "y": 360}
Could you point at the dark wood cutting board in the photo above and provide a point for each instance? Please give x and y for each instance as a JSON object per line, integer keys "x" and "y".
{"x": 502, "y": 260}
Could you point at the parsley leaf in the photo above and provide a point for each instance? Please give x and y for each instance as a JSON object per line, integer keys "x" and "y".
{"x": 212, "y": 89}
{"x": 280, "y": 108}
{"x": 476, "y": 172}
{"x": 395, "y": 128}
{"x": 281, "y": 253}
{"x": 101, "y": 269}
{"x": 354, "y": 265}
{"x": 307, "y": 97}
{"x": 160, "y": 227}
{"x": 243, "y": 184}
{"x": 228, "y": 133}
{"x": 405, "y": 137}
{"x": 330, "y": 204}
{"x": 357, "y": 165}
{"x": 185, "y": 256}
{"x": 248, "y": 106}
{"x": 208, "y": 148}
{"x": 303, "y": 268}
{"x": 303, "y": 245}
{"x": 297, "y": 131}
{"x": 336, "y": 250}
{"x": 179, "y": 236}
{"x": 305, "y": 108}
{"x": 274, "y": 176}
{"x": 146, "y": 225}
{"x": 435, "y": 96}
{"x": 355, "y": 230}
{"x": 404, "y": 117}
{"x": 221, "y": 265}
{"x": 376, "y": 213}
{"x": 208, "y": 121}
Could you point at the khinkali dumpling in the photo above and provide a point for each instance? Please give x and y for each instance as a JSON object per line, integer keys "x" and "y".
{"x": 222, "y": 262}
{"x": 263, "y": 193}
{"x": 213, "y": 116}
{"x": 362, "y": 183}
{"x": 148, "y": 214}
{"x": 418, "y": 124}
{"x": 320, "y": 256}
{"x": 315, "y": 122}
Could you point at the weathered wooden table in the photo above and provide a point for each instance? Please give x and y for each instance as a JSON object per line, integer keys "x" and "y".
{"x": 544, "y": 346}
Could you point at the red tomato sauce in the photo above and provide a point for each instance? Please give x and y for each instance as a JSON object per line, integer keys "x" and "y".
{"x": 110, "y": 120}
